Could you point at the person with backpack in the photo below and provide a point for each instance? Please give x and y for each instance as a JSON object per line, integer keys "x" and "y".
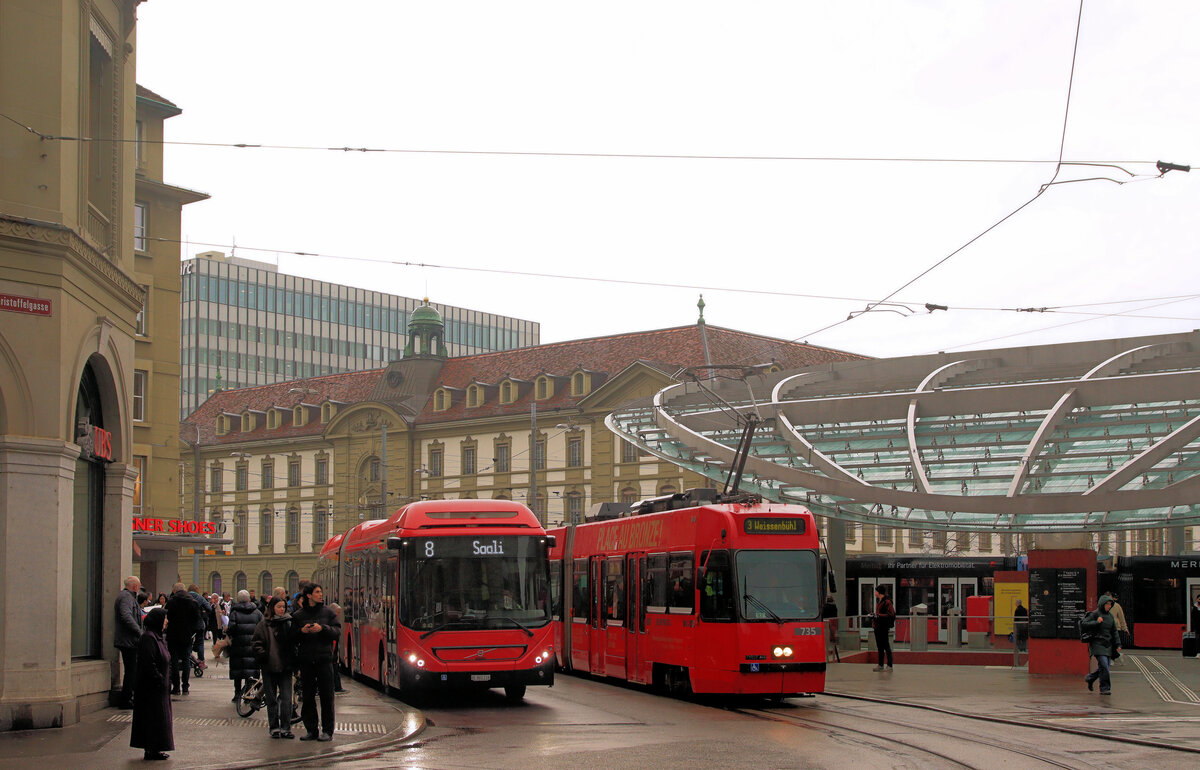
{"x": 1099, "y": 630}
{"x": 881, "y": 623}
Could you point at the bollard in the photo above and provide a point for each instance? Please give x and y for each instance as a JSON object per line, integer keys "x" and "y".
{"x": 919, "y": 632}
{"x": 954, "y": 629}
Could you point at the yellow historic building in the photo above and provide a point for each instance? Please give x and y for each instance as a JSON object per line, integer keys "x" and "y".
{"x": 88, "y": 332}
{"x": 285, "y": 466}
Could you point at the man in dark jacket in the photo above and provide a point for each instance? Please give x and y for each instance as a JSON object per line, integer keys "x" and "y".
{"x": 126, "y": 633}
{"x": 315, "y": 629}
{"x": 881, "y": 623}
{"x": 183, "y": 621}
{"x": 1105, "y": 644}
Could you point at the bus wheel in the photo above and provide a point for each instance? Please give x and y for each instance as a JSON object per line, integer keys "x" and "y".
{"x": 514, "y": 692}
{"x": 678, "y": 682}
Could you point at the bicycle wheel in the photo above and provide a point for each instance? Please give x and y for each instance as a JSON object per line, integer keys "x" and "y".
{"x": 250, "y": 700}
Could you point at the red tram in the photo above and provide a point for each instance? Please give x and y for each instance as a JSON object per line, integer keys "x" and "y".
{"x": 695, "y": 593}
{"x": 445, "y": 594}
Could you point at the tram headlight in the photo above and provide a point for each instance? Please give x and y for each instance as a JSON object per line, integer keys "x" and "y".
{"x": 778, "y": 652}
{"x": 782, "y": 652}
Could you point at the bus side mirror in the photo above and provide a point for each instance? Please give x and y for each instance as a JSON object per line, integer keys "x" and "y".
{"x": 393, "y": 543}
{"x": 832, "y": 582}
{"x": 551, "y": 541}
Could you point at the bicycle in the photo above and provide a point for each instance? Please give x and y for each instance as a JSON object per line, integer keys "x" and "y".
{"x": 254, "y": 697}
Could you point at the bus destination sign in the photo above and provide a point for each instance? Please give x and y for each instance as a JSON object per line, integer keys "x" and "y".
{"x": 759, "y": 525}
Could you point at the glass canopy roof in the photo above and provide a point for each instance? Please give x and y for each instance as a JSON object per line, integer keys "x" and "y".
{"x": 1093, "y": 436}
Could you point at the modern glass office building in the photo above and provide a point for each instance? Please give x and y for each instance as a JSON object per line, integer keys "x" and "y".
{"x": 245, "y": 323}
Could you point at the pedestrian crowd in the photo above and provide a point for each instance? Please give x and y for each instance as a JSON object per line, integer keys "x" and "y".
{"x": 277, "y": 639}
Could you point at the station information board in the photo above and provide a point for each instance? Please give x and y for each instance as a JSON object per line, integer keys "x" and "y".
{"x": 1057, "y": 600}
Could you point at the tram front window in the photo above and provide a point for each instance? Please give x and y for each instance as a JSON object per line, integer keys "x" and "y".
{"x": 778, "y": 585}
{"x": 460, "y": 583}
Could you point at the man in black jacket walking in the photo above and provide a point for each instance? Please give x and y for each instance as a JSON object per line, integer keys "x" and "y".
{"x": 126, "y": 633}
{"x": 183, "y": 621}
{"x": 315, "y": 629}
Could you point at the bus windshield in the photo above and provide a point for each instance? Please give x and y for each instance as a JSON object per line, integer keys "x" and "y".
{"x": 459, "y": 583}
{"x": 777, "y": 585}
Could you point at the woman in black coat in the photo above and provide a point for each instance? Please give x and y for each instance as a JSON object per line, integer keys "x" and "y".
{"x": 244, "y": 616}
{"x": 152, "y": 715}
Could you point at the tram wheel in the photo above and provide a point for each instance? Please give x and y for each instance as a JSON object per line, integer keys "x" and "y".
{"x": 514, "y": 692}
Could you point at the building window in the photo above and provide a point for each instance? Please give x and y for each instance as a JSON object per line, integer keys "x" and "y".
{"x": 293, "y": 473}
{"x": 473, "y": 396}
{"x": 320, "y": 524}
{"x": 140, "y": 328}
{"x": 503, "y": 458}
{"x": 884, "y": 535}
{"x": 574, "y": 507}
{"x": 916, "y": 538}
{"x": 139, "y": 465}
{"x": 577, "y": 384}
{"x": 266, "y": 583}
{"x": 539, "y": 455}
{"x": 241, "y": 477}
{"x": 214, "y": 479}
{"x": 293, "y": 582}
{"x": 506, "y": 393}
{"x": 140, "y": 215}
{"x": 139, "y": 395}
{"x": 293, "y": 526}
{"x": 322, "y": 470}
{"x": 239, "y": 528}
{"x": 440, "y": 401}
{"x": 939, "y": 539}
{"x": 851, "y": 531}
{"x": 214, "y": 582}
{"x": 543, "y": 388}
{"x": 268, "y": 474}
{"x": 373, "y": 470}
{"x": 435, "y": 462}
{"x": 468, "y": 461}
{"x": 575, "y": 452}
{"x": 266, "y": 527}
{"x": 239, "y": 583}
{"x": 629, "y": 452}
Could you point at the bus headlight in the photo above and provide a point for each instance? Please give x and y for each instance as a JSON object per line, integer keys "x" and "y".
{"x": 544, "y": 656}
{"x": 413, "y": 658}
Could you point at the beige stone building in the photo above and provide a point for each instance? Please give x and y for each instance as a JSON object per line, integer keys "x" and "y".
{"x": 284, "y": 466}
{"x": 71, "y": 289}
{"x": 89, "y": 349}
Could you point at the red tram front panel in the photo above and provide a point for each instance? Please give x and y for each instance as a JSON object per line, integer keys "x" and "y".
{"x": 444, "y": 594}
{"x": 722, "y": 598}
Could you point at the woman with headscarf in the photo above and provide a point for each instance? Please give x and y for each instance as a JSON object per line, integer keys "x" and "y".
{"x": 152, "y": 717}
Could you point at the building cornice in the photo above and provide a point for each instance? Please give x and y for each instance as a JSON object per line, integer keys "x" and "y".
{"x": 63, "y": 237}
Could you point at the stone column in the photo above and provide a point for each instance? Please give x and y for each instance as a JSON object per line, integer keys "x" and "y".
{"x": 117, "y": 547}
{"x": 36, "y": 520}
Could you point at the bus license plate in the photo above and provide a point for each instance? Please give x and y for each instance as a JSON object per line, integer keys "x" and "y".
{"x": 481, "y": 677}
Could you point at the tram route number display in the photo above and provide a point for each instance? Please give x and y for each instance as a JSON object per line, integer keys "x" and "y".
{"x": 464, "y": 547}
{"x": 1057, "y": 600}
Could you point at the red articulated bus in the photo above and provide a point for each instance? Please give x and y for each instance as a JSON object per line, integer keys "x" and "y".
{"x": 694, "y": 592}
{"x": 445, "y": 594}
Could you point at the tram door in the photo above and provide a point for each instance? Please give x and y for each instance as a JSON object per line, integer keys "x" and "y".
{"x": 633, "y": 596}
{"x": 598, "y": 640}
{"x": 952, "y": 594}
{"x": 1193, "y": 590}
{"x": 866, "y": 596}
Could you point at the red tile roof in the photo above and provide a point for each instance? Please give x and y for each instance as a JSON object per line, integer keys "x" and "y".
{"x": 667, "y": 350}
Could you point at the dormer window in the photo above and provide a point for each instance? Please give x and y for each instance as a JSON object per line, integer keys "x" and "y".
{"x": 506, "y": 393}
{"x": 222, "y": 425}
{"x": 545, "y": 388}
{"x": 328, "y": 410}
{"x": 474, "y": 396}
{"x": 581, "y": 383}
{"x": 299, "y": 415}
{"x": 273, "y": 419}
{"x": 441, "y": 400}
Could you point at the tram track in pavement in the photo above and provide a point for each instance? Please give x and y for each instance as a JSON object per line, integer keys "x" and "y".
{"x": 824, "y": 724}
{"x": 1089, "y": 733}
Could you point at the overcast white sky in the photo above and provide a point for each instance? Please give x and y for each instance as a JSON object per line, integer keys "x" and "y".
{"x": 886, "y": 79}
